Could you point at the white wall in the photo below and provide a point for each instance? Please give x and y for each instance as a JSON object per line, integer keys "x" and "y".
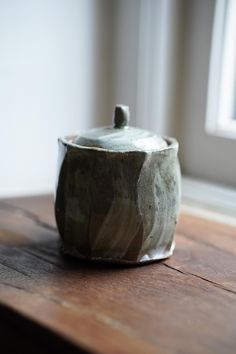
{"x": 54, "y": 65}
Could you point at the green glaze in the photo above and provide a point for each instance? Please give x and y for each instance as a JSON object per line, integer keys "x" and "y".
{"x": 114, "y": 205}
{"x": 121, "y": 137}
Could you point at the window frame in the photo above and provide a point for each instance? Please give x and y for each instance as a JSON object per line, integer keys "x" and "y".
{"x": 221, "y": 83}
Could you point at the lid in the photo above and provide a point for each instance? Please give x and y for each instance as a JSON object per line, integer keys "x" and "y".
{"x": 121, "y": 137}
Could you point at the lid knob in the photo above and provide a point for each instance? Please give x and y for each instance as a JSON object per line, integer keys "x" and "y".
{"x": 121, "y": 116}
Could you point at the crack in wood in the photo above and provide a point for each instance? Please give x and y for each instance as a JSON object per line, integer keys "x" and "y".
{"x": 27, "y": 290}
{"x": 4, "y": 264}
{"x": 28, "y": 214}
{"x": 218, "y": 285}
{"x": 34, "y": 254}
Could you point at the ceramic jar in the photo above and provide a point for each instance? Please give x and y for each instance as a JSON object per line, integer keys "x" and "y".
{"x": 117, "y": 193}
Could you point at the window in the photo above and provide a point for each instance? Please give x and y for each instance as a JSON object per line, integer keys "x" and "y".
{"x": 221, "y": 106}
{"x": 206, "y": 154}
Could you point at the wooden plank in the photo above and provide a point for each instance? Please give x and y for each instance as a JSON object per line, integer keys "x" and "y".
{"x": 41, "y": 210}
{"x": 186, "y": 304}
{"x": 21, "y": 335}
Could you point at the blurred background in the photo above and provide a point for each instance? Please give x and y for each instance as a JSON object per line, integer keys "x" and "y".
{"x": 64, "y": 64}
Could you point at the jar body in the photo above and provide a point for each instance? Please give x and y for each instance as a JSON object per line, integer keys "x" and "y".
{"x": 117, "y": 206}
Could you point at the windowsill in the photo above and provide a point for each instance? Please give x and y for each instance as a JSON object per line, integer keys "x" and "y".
{"x": 209, "y": 201}
{"x": 228, "y": 132}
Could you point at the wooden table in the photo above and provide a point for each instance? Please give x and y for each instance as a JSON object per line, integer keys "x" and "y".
{"x": 51, "y": 304}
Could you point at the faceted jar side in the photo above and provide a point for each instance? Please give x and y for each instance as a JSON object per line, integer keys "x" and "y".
{"x": 159, "y": 200}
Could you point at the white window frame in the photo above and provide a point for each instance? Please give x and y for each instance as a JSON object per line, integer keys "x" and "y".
{"x": 222, "y": 73}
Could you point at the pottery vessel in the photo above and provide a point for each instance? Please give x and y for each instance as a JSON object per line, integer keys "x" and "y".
{"x": 117, "y": 193}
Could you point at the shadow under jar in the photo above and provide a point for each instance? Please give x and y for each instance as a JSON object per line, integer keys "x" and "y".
{"x": 117, "y": 193}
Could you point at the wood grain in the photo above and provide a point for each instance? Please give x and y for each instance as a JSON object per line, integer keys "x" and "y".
{"x": 186, "y": 304}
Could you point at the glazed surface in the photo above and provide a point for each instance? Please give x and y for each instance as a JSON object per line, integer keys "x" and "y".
{"x": 119, "y": 207}
{"x": 123, "y": 139}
